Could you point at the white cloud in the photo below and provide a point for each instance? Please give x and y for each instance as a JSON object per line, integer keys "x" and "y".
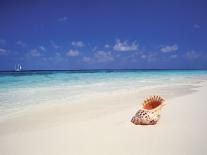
{"x": 63, "y": 19}
{"x": 3, "y": 51}
{"x": 196, "y": 26}
{"x": 20, "y": 43}
{"x": 78, "y": 43}
{"x": 42, "y": 48}
{"x": 102, "y": 56}
{"x": 124, "y": 46}
{"x": 169, "y": 48}
{"x": 192, "y": 55}
{"x": 35, "y": 53}
{"x": 73, "y": 53}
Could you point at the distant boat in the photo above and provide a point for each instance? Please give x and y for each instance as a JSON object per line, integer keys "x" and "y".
{"x": 18, "y": 68}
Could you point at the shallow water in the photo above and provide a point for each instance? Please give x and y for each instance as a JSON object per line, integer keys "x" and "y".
{"x": 19, "y": 90}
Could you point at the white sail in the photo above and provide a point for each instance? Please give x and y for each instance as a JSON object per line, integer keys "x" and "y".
{"x": 18, "y": 67}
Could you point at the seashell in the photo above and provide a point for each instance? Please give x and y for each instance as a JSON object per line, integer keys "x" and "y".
{"x": 149, "y": 112}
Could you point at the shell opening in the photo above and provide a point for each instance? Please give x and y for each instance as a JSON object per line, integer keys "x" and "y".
{"x": 152, "y": 102}
{"x": 152, "y": 105}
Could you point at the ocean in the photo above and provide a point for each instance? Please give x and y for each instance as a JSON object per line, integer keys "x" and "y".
{"x": 22, "y": 90}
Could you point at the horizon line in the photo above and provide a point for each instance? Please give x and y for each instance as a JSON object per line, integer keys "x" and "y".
{"x": 30, "y": 70}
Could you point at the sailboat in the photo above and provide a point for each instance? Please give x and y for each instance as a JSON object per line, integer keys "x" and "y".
{"x": 18, "y": 68}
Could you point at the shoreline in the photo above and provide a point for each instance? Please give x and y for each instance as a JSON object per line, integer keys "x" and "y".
{"x": 144, "y": 90}
{"x": 105, "y": 127}
{"x": 126, "y": 98}
{"x": 19, "y": 94}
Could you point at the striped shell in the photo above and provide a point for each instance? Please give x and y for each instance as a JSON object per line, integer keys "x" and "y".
{"x": 149, "y": 112}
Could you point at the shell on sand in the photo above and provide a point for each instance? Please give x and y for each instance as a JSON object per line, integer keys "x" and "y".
{"x": 149, "y": 112}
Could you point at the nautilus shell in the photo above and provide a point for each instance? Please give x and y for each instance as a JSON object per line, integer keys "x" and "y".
{"x": 149, "y": 112}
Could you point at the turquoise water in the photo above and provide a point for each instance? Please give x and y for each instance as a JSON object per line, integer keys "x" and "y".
{"x": 47, "y": 78}
{"x": 19, "y": 90}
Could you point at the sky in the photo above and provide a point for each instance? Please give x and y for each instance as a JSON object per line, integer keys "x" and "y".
{"x": 107, "y": 34}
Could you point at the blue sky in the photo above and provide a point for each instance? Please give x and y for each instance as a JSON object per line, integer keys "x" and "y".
{"x": 92, "y": 34}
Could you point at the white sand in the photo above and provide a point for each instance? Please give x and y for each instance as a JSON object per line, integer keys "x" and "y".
{"x": 101, "y": 126}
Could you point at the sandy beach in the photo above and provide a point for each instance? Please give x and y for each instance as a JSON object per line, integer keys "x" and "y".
{"x": 98, "y": 77}
{"x": 101, "y": 125}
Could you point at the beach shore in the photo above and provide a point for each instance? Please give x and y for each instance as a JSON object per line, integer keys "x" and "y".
{"x": 101, "y": 125}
